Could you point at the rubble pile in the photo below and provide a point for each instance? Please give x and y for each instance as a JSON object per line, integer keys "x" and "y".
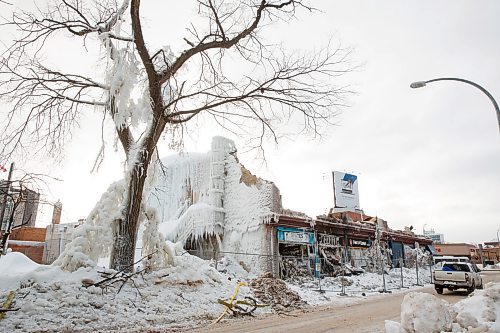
{"x": 295, "y": 270}
{"x": 275, "y": 293}
{"x": 343, "y": 281}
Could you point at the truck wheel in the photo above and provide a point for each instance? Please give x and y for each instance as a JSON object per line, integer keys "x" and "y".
{"x": 471, "y": 288}
{"x": 481, "y": 286}
{"x": 439, "y": 290}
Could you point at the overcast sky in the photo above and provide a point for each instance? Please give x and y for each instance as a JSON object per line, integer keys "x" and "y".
{"x": 429, "y": 156}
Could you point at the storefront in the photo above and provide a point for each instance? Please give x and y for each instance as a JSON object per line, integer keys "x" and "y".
{"x": 314, "y": 247}
{"x": 331, "y": 253}
{"x": 357, "y": 251}
{"x": 296, "y": 247}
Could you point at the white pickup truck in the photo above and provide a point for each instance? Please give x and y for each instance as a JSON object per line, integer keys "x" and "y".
{"x": 457, "y": 275}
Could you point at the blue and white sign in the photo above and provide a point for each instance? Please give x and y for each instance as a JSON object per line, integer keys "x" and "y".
{"x": 295, "y": 235}
{"x": 345, "y": 190}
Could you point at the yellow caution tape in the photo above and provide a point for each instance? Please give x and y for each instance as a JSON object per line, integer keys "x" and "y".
{"x": 229, "y": 304}
{"x": 8, "y": 303}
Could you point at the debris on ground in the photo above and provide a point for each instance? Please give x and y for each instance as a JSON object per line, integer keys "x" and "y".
{"x": 343, "y": 281}
{"x": 276, "y": 293}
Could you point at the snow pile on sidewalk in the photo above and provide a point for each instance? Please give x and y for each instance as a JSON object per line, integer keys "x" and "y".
{"x": 12, "y": 266}
{"x": 50, "y": 299}
{"x": 356, "y": 285}
{"x": 275, "y": 292}
{"x": 425, "y": 313}
{"x": 492, "y": 267}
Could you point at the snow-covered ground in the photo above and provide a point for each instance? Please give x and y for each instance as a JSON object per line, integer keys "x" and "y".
{"x": 421, "y": 313}
{"x": 328, "y": 289}
{"x": 492, "y": 267}
{"x": 183, "y": 295}
{"x": 50, "y": 299}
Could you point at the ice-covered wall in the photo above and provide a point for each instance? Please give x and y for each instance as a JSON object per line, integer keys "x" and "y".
{"x": 212, "y": 194}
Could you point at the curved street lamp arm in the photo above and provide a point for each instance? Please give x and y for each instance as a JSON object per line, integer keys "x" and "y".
{"x": 422, "y": 83}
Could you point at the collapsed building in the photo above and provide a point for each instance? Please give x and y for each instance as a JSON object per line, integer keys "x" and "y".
{"x": 214, "y": 206}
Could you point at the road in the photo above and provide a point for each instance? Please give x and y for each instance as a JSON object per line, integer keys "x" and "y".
{"x": 367, "y": 316}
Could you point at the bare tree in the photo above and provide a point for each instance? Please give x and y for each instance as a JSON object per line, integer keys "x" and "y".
{"x": 148, "y": 92}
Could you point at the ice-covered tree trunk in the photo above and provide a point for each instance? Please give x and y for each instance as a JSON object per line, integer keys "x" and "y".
{"x": 125, "y": 228}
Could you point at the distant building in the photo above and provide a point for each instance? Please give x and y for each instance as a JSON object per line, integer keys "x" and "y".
{"x": 436, "y": 238}
{"x": 56, "y": 213}
{"x": 58, "y": 235}
{"x": 26, "y": 211}
{"x": 42, "y": 245}
{"x": 456, "y": 249}
{"x": 56, "y": 239}
{"x": 30, "y": 241}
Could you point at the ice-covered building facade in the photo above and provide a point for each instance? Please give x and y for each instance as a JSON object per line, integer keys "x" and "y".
{"x": 214, "y": 206}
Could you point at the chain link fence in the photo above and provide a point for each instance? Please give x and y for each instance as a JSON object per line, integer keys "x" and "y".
{"x": 353, "y": 276}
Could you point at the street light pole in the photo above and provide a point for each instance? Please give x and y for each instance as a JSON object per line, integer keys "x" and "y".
{"x": 6, "y": 194}
{"x": 420, "y": 84}
{"x": 498, "y": 244}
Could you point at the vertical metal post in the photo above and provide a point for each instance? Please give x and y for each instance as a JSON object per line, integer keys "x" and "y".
{"x": 383, "y": 274}
{"x": 319, "y": 284}
{"x": 317, "y": 260}
{"x": 6, "y": 194}
{"x": 342, "y": 265}
{"x": 215, "y": 259}
{"x": 481, "y": 254}
{"x": 417, "y": 248}
{"x": 5, "y": 236}
{"x": 383, "y": 280}
{"x": 416, "y": 265}
{"x": 430, "y": 270}
{"x": 401, "y": 267}
{"x": 319, "y": 279}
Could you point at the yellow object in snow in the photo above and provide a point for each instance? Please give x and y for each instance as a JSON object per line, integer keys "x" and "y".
{"x": 8, "y": 303}
{"x": 231, "y": 300}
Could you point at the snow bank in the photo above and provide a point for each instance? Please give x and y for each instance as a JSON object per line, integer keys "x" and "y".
{"x": 421, "y": 312}
{"x": 233, "y": 269}
{"x": 425, "y": 313}
{"x": 53, "y": 300}
{"x": 492, "y": 267}
{"x": 180, "y": 296}
{"x": 13, "y": 265}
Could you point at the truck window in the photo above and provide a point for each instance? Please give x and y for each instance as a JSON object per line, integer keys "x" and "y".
{"x": 456, "y": 267}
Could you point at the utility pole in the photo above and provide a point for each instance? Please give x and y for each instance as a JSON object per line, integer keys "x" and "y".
{"x": 6, "y": 194}
{"x": 4, "y": 204}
